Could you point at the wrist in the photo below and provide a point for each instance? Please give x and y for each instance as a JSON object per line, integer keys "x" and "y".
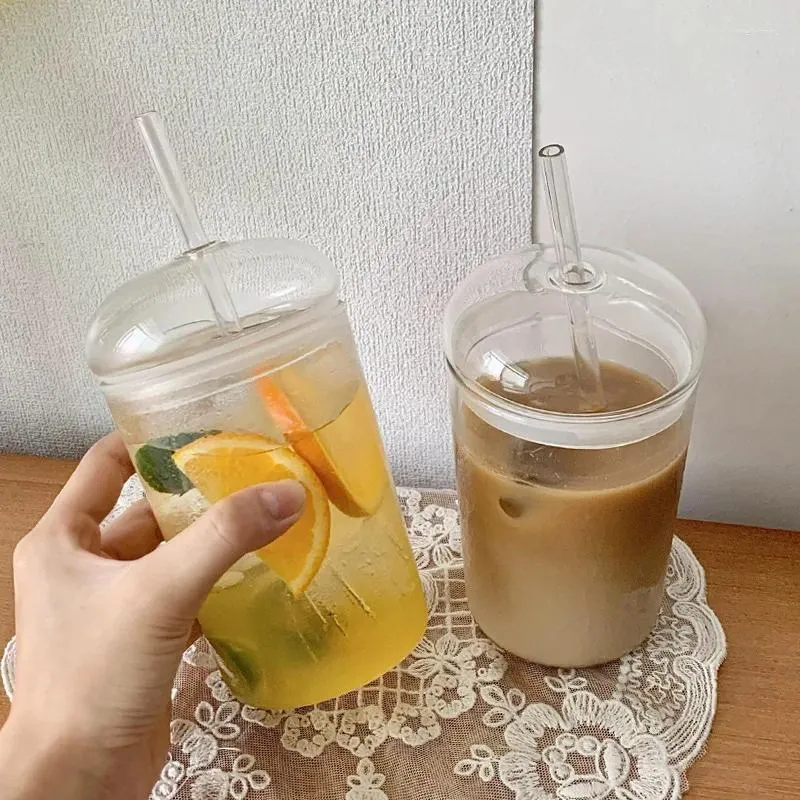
{"x": 39, "y": 761}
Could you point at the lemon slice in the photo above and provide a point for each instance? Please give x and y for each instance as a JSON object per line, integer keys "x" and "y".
{"x": 223, "y": 463}
{"x": 346, "y": 454}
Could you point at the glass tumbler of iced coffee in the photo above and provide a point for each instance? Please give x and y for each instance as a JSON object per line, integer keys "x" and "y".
{"x": 567, "y": 505}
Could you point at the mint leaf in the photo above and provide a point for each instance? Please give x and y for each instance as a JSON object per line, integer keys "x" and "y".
{"x": 240, "y": 663}
{"x": 157, "y": 469}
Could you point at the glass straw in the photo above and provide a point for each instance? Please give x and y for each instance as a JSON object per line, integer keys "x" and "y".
{"x": 573, "y": 273}
{"x": 154, "y": 135}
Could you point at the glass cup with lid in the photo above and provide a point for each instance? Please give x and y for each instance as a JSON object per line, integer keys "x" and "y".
{"x": 234, "y": 365}
{"x": 567, "y": 507}
{"x": 336, "y": 600}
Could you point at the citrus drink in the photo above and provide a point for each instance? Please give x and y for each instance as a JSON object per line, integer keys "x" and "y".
{"x": 334, "y": 602}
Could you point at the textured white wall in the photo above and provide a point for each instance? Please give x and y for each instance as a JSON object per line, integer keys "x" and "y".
{"x": 680, "y": 121}
{"x": 393, "y": 134}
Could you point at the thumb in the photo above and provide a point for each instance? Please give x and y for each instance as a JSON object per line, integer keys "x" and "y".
{"x": 182, "y": 571}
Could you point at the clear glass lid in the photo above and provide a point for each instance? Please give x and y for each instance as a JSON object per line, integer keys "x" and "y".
{"x": 513, "y": 310}
{"x": 165, "y": 317}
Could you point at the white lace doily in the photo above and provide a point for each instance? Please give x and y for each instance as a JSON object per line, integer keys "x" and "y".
{"x": 459, "y": 718}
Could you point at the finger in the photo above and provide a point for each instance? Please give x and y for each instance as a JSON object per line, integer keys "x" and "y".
{"x": 132, "y": 535}
{"x": 182, "y": 571}
{"x": 93, "y": 489}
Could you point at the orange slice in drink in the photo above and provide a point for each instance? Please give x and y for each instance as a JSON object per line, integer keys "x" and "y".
{"x": 346, "y": 454}
{"x": 224, "y": 463}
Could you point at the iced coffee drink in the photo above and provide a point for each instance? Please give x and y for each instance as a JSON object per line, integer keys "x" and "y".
{"x": 568, "y": 497}
{"x": 566, "y": 548}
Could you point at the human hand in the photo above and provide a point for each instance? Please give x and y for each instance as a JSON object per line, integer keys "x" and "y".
{"x": 102, "y": 619}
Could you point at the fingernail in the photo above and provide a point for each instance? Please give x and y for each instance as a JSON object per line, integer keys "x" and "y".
{"x": 283, "y": 499}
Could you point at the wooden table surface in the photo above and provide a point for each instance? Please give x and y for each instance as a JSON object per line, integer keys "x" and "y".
{"x": 754, "y": 588}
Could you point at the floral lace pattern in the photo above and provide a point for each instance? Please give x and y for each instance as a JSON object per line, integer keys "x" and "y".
{"x": 459, "y": 718}
{"x": 550, "y": 754}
